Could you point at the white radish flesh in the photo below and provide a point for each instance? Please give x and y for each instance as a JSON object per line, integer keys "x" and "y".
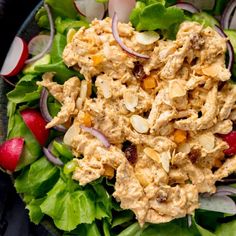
{"x": 38, "y": 43}
{"x": 15, "y": 58}
{"x": 90, "y": 9}
{"x": 122, "y": 9}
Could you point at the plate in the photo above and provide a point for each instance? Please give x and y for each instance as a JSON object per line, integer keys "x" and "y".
{"x": 28, "y": 29}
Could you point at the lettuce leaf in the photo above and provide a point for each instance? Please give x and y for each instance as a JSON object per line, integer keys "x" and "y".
{"x": 26, "y": 90}
{"x": 69, "y": 206}
{"x": 226, "y": 229}
{"x": 35, "y": 212}
{"x": 37, "y": 180}
{"x": 155, "y": 16}
{"x": 63, "y": 25}
{"x": 63, "y": 8}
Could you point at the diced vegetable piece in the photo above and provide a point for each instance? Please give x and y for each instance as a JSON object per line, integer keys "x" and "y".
{"x": 109, "y": 171}
{"x": 87, "y": 120}
{"x": 63, "y": 150}
{"x": 149, "y": 83}
{"x": 10, "y": 152}
{"x": 35, "y": 122}
{"x": 16, "y": 57}
{"x": 69, "y": 167}
{"x": 180, "y": 136}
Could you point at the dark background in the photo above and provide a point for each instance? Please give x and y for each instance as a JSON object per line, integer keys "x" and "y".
{"x": 13, "y": 215}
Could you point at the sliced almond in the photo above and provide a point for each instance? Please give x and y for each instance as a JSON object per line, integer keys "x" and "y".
{"x": 105, "y": 87}
{"x": 184, "y": 148}
{"x": 207, "y": 141}
{"x": 130, "y": 100}
{"x": 211, "y": 70}
{"x": 152, "y": 154}
{"x": 70, "y": 35}
{"x": 70, "y": 134}
{"x": 176, "y": 89}
{"x": 165, "y": 160}
{"x": 147, "y": 37}
{"x": 139, "y": 124}
{"x": 83, "y": 89}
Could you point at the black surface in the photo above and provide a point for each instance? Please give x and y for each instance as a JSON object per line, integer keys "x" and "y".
{"x": 14, "y": 219}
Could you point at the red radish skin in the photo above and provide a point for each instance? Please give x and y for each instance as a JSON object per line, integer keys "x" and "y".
{"x": 230, "y": 138}
{"x": 16, "y": 57}
{"x": 35, "y": 122}
{"x": 10, "y": 152}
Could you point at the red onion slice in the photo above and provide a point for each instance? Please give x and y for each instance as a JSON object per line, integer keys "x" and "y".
{"x": 122, "y": 8}
{"x": 44, "y": 110}
{"x": 229, "y": 47}
{"x": 187, "y": 7}
{"x": 49, "y": 45}
{"x": 226, "y": 17}
{"x": 96, "y": 133}
{"x": 119, "y": 41}
{"x": 201, "y": 4}
{"x": 52, "y": 158}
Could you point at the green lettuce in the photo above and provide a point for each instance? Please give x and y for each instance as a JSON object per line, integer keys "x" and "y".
{"x": 63, "y": 25}
{"x": 37, "y": 180}
{"x": 26, "y": 90}
{"x": 155, "y": 16}
{"x": 226, "y": 229}
{"x": 68, "y": 205}
{"x": 63, "y": 8}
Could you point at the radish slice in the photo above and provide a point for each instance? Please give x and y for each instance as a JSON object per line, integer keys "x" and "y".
{"x": 52, "y": 31}
{"x": 119, "y": 41}
{"x": 35, "y": 122}
{"x": 10, "y": 152}
{"x": 222, "y": 204}
{"x": 38, "y": 44}
{"x": 122, "y": 8}
{"x": 80, "y": 6}
{"x": 90, "y": 9}
{"x": 16, "y": 57}
{"x": 147, "y": 37}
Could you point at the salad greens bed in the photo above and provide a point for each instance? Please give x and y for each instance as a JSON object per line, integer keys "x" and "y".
{"x": 49, "y": 190}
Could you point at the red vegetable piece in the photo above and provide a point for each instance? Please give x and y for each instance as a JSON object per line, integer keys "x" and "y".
{"x": 10, "y": 152}
{"x": 16, "y": 57}
{"x": 230, "y": 138}
{"x": 35, "y": 122}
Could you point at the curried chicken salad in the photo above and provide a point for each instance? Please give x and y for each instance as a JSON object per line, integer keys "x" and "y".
{"x": 123, "y": 121}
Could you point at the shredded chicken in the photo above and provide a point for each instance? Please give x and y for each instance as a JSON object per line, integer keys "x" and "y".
{"x": 171, "y": 108}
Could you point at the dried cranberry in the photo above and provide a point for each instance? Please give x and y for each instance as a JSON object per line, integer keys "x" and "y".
{"x": 131, "y": 153}
{"x": 138, "y": 71}
{"x": 194, "y": 155}
{"x": 230, "y": 138}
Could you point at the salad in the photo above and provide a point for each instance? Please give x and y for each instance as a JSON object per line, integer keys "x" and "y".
{"x": 122, "y": 119}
